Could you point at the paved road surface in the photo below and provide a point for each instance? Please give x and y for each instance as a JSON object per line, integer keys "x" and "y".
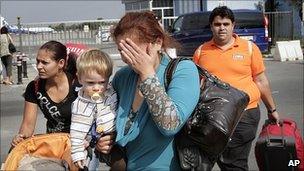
{"x": 286, "y": 80}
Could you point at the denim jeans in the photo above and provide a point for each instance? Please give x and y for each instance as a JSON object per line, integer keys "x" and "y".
{"x": 94, "y": 163}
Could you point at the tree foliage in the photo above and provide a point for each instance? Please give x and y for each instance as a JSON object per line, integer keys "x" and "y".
{"x": 273, "y": 5}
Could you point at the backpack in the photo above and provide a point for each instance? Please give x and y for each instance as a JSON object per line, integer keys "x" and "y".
{"x": 211, "y": 124}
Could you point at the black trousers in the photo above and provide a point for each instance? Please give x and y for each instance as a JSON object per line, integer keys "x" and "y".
{"x": 235, "y": 156}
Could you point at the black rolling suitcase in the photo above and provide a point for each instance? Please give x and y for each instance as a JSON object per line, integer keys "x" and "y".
{"x": 275, "y": 148}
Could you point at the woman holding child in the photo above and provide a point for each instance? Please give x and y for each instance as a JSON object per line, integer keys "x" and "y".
{"x": 53, "y": 92}
{"x": 148, "y": 116}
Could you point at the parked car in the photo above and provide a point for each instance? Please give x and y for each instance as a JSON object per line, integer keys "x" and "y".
{"x": 193, "y": 29}
{"x": 103, "y": 37}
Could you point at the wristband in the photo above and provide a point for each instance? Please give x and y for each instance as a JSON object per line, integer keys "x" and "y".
{"x": 271, "y": 111}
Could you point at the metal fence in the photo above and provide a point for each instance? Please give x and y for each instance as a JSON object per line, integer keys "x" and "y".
{"x": 280, "y": 26}
{"x": 92, "y": 33}
{"x": 96, "y": 33}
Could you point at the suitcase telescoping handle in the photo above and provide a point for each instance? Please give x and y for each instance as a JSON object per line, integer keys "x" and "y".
{"x": 278, "y": 142}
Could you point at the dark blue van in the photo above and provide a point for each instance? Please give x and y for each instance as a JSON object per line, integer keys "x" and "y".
{"x": 193, "y": 29}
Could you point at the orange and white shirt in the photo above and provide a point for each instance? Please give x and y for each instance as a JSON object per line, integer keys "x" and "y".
{"x": 237, "y": 65}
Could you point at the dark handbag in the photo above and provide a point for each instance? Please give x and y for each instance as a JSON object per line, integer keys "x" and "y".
{"x": 210, "y": 126}
{"x": 12, "y": 48}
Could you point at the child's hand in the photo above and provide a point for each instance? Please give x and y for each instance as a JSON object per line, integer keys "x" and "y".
{"x": 86, "y": 143}
{"x": 80, "y": 164}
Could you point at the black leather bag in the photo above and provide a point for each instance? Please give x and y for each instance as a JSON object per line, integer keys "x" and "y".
{"x": 12, "y": 48}
{"x": 210, "y": 126}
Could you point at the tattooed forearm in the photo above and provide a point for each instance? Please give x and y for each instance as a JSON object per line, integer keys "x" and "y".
{"x": 160, "y": 105}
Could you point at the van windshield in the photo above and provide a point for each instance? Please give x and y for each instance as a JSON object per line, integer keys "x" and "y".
{"x": 248, "y": 20}
{"x": 196, "y": 21}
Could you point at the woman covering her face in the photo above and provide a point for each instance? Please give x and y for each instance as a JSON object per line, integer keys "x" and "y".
{"x": 149, "y": 116}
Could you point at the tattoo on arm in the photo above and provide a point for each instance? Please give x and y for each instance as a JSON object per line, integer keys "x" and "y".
{"x": 163, "y": 110}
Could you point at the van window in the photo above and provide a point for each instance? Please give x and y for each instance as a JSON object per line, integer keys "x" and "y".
{"x": 196, "y": 21}
{"x": 248, "y": 20}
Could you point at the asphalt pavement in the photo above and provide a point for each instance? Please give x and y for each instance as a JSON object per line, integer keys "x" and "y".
{"x": 286, "y": 79}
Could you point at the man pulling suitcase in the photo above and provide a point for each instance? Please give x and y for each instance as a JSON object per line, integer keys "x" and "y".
{"x": 280, "y": 147}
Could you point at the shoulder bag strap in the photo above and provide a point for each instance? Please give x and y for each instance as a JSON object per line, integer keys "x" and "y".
{"x": 250, "y": 48}
{"x": 171, "y": 67}
{"x": 199, "y": 52}
{"x": 170, "y": 70}
{"x": 9, "y": 39}
{"x": 36, "y": 83}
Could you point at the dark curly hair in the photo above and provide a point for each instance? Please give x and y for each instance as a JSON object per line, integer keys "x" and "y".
{"x": 222, "y": 11}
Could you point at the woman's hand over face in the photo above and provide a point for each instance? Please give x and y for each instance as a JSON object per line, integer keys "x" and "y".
{"x": 141, "y": 60}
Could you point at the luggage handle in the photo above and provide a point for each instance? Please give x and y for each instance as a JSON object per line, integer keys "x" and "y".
{"x": 276, "y": 141}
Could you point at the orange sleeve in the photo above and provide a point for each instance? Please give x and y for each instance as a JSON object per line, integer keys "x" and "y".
{"x": 257, "y": 63}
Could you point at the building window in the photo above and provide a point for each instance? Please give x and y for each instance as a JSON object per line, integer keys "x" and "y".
{"x": 168, "y": 12}
{"x": 162, "y": 3}
{"x": 144, "y": 5}
{"x": 135, "y": 6}
{"x": 128, "y": 6}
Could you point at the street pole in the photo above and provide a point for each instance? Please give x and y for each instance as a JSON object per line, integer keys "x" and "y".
{"x": 302, "y": 28}
{"x": 292, "y": 25}
{"x": 302, "y": 11}
{"x": 24, "y": 65}
{"x": 20, "y": 35}
{"x": 19, "y": 67}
